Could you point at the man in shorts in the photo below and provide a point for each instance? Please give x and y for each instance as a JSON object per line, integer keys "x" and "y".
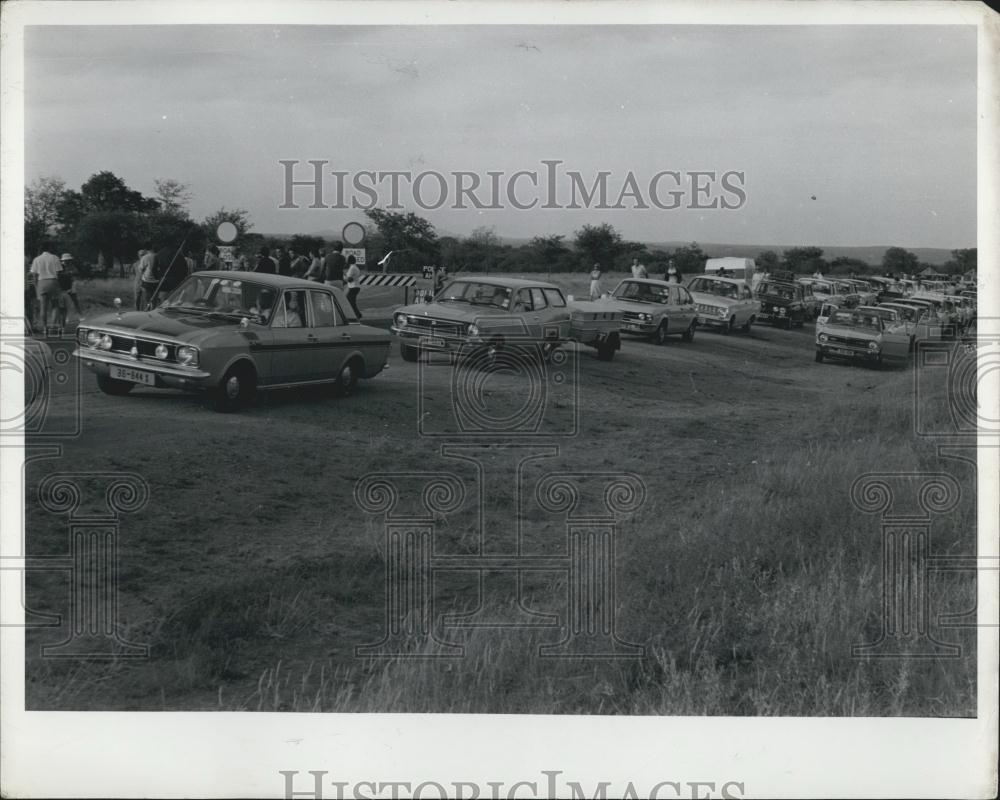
{"x": 46, "y": 268}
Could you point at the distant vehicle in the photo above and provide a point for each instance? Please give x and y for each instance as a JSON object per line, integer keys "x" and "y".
{"x": 724, "y": 303}
{"x": 867, "y": 294}
{"x": 470, "y": 315}
{"x": 742, "y": 268}
{"x": 655, "y": 309}
{"x": 856, "y": 335}
{"x": 231, "y": 334}
{"x": 783, "y": 303}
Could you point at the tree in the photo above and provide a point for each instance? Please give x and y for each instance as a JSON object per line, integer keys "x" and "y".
{"x": 549, "y": 249}
{"x": 962, "y": 261}
{"x": 768, "y": 261}
{"x": 804, "y": 260}
{"x": 240, "y": 217}
{"x": 405, "y": 232}
{"x": 41, "y": 211}
{"x": 598, "y": 243}
{"x": 172, "y": 195}
{"x": 898, "y": 260}
{"x": 844, "y": 264}
{"x": 689, "y": 259}
{"x": 303, "y": 244}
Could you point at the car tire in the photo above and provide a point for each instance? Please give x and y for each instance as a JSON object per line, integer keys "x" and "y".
{"x": 606, "y": 350}
{"x": 236, "y": 389}
{"x": 347, "y": 380}
{"x": 113, "y": 386}
{"x": 688, "y": 335}
{"x": 409, "y": 352}
{"x": 660, "y": 337}
{"x": 819, "y": 356}
{"x": 748, "y": 326}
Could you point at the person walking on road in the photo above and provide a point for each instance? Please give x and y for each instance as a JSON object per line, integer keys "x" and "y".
{"x": 353, "y": 276}
{"x": 46, "y": 268}
{"x": 149, "y": 277}
{"x": 334, "y": 266}
{"x": 595, "y": 282}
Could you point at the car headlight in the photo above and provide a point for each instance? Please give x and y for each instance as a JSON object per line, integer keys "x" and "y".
{"x": 187, "y": 356}
{"x": 781, "y": 312}
{"x": 723, "y": 312}
{"x": 400, "y": 320}
{"x": 646, "y": 317}
{"x": 823, "y": 337}
{"x": 873, "y": 346}
{"x": 161, "y": 351}
{"x": 472, "y": 330}
{"x": 105, "y": 342}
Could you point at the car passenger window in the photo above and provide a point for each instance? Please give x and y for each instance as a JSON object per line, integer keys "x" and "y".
{"x": 555, "y": 298}
{"x": 290, "y": 312}
{"x": 522, "y": 301}
{"x": 681, "y": 295}
{"x": 324, "y": 310}
{"x": 538, "y": 299}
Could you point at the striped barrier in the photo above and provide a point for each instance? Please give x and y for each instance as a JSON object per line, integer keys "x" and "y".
{"x": 388, "y": 279}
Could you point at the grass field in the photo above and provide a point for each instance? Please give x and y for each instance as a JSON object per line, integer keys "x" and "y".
{"x": 746, "y": 576}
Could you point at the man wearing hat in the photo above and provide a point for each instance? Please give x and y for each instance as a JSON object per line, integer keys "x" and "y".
{"x": 67, "y": 285}
{"x": 46, "y": 268}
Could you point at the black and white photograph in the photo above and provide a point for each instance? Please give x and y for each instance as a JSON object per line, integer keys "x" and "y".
{"x": 500, "y": 400}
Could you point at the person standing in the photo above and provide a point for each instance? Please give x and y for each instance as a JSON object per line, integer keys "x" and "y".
{"x": 192, "y": 265}
{"x": 334, "y": 266}
{"x": 149, "y": 277}
{"x": 315, "y": 270}
{"x": 299, "y": 263}
{"x": 284, "y": 262}
{"x": 638, "y": 269}
{"x": 67, "y": 285}
{"x": 46, "y": 268}
{"x": 595, "y": 282}
{"x": 353, "y": 276}
{"x": 212, "y": 260}
{"x": 264, "y": 263}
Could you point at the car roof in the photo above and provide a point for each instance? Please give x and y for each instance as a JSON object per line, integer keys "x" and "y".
{"x": 874, "y": 308}
{"x": 723, "y": 278}
{"x": 512, "y": 283}
{"x": 651, "y": 281}
{"x": 263, "y": 278}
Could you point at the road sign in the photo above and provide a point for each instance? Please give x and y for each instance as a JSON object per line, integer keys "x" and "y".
{"x": 357, "y": 252}
{"x": 353, "y": 233}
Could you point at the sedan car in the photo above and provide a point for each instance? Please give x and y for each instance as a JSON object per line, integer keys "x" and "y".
{"x": 655, "y": 309}
{"x": 861, "y": 335}
{"x": 473, "y": 314}
{"x": 724, "y": 303}
{"x": 783, "y": 303}
{"x": 230, "y": 334}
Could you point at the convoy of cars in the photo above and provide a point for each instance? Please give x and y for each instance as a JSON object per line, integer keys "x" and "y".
{"x": 232, "y": 334}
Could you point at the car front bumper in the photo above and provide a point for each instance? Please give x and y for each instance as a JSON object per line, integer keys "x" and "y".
{"x": 164, "y": 376}
{"x": 638, "y": 327}
{"x": 848, "y": 353}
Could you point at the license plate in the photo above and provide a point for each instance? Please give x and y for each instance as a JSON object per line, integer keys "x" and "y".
{"x": 631, "y": 326}
{"x": 431, "y": 341}
{"x": 841, "y": 352}
{"x": 133, "y": 375}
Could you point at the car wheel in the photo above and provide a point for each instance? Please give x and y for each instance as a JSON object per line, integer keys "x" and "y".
{"x": 347, "y": 380}
{"x": 819, "y": 356}
{"x": 660, "y": 337}
{"x": 113, "y": 386}
{"x": 409, "y": 352}
{"x": 236, "y": 389}
{"x": 606, "y": 350}
{"x": 688, "y": 335}
{"x": 748, "y": 325}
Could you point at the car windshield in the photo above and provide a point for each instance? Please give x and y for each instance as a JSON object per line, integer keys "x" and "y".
{"x": 639, "y": 292}
{"x": 710, "y": 286}
{"x": 865, "y": 320}
{"x": 783, "y": 291}
{"x": 475, "y": 293}
{"x": 228, "y": 296}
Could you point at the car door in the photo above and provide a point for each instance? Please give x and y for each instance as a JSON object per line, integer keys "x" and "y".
{"x": 289, "y": 347}
{"x": 545, "y": 316}
{"x": 329, "y": 333}
{"x": 895, "y": 341}
{"x": 560, "y": 315}
{"x": 684, "y": 310}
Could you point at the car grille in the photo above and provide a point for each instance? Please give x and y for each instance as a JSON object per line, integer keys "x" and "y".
{"x": 848, "y": 341}
{"x": 144, "y": 348}
{"x": 705, "y": 308}
{"x": 436, "y": 327}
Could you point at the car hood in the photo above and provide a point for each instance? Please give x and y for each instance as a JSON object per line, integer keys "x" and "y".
{"x": 714, "y": 299}
{"x": 847, "y": 330}
{"x": 637, "y": 308}
{"x": 453, "y": 312}
{"x": 171, "y": 324}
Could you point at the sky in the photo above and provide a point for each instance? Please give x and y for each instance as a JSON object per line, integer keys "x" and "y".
{"x": 846, "y": 135}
